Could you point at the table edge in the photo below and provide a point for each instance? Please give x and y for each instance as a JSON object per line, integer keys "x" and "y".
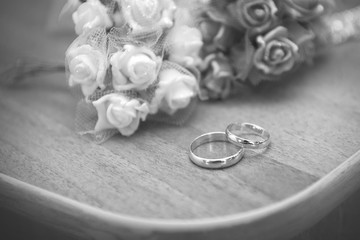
{"x": 287, "y": 217}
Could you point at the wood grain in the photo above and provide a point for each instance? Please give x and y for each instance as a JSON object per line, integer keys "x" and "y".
{"x": 150, "y": 173}
{"x": 276, "y": 221}
{"x": 313, "y": 118}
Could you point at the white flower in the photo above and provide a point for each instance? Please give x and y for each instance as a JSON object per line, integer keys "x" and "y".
{"x": 70, "y": 6}
{"x": 142, "y": 15}
{"x": 87, "y": 67}
{"x": 134, "y": 68}
{"x": 185, "y": 44}
{"x": 91, "y": 14}
{"x": 174, "y": 92}
{"x": 118, "y": 18}
{"x": 117, "y": 111}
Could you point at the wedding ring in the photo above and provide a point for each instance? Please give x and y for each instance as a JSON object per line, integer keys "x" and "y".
{"x": 213, "y": 163}
{"x": 247, "y": 129}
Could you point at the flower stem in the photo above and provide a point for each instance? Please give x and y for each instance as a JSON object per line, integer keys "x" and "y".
{"x": 22, "y": 70}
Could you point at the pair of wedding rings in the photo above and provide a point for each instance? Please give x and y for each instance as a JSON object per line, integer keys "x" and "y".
{"x": 236, "y": 134}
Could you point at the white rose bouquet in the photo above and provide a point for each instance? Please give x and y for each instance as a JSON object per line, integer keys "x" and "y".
{"x": 132, "y": 60}
{"x": 138, "y": 60}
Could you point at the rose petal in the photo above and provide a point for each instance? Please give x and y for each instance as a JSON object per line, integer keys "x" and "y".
{"x": 117, "y": 111}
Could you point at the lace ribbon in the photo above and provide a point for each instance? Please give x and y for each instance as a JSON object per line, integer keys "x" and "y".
{"x": 338, "y": 28}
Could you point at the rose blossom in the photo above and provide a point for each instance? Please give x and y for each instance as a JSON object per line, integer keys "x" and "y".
{"x": 217, "y": 35}
{"x": 218, "y": 78}
{"x": 87, "y": 67}
{"x": 134, "y": 68}
{"x": 185, "y": 44}
{"x": 305, "y": 10}
{"x": 142, "y": 15}
{"x": 117, "y": 111}
{"x": 70, "y": 6}
{"x": 91, "y": 14}
{"x": 255, "y": 15}
{"x": 174, "y": 92}
{"x": 275, "y": 54}
{"x": 210, "y": 30}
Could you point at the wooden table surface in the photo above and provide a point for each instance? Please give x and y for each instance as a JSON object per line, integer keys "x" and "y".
{"x": 313, "y": 118}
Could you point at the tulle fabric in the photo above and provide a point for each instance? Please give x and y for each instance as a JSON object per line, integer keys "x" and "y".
{"x": 111, "y": 40}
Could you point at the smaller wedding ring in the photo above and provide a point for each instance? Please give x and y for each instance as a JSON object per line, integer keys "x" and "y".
{"x": 213, "y": 163}
{"x": 235, "y": 134}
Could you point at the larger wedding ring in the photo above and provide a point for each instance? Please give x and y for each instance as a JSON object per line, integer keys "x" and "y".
{"x": 214, "y": 163}
{"x": 244, "y": 129}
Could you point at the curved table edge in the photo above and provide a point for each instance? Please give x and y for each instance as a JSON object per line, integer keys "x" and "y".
{"x": 280, "y": 220}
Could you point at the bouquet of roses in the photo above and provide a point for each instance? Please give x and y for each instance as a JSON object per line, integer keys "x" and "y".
{"x": 132, "y": 60}
{"x": 149, "y": 59}
{"x": 256, "y": 40}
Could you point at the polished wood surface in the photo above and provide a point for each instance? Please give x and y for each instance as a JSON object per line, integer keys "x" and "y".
{"x": 276, "y": 221}
{"x": 313, "y": 118}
